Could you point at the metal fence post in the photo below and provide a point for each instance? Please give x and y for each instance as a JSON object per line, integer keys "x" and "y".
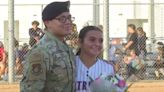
{"x": 96, "y": 12}
{"x": 106, "y": 29}
{"x": 42, "y": 24}
{"x": 11, "y": 40}
{"x": 152, "y": 24}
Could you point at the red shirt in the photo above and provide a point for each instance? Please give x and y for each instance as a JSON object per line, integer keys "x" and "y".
{"x": 1, "y": 53}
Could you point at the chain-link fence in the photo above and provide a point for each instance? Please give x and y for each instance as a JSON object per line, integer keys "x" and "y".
{"x": 141, "y": 62}
{"x": 19, "y": 53}
{"x": 146, "y": 65}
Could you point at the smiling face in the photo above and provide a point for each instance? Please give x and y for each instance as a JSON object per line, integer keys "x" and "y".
{"x": 92, "y": 43}
{"x": 60, "y": 26}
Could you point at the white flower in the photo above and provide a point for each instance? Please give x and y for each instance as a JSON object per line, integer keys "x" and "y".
{"x": 108, "y": 84}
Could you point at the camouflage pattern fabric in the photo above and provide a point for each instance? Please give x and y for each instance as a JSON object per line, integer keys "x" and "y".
{"x": 49, "y": 67}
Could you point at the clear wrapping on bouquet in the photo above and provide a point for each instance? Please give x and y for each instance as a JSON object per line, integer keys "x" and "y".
{"x": 108, "y": 83}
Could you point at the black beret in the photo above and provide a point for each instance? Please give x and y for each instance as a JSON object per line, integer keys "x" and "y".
{"x": 54, "y": 9}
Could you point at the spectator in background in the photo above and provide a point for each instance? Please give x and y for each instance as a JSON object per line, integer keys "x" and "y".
{"x": 114, "y": 49}
{"x": 132, "y": 43}
{"x": 23, "y": 51}
{"x": 16, "y": 53}
{"x": 142, "y": 42}
{"x": 160, "y": 60}
{"x": 35, "y": 33}
{"x": 134, "y": 63}
{"x": 3, "y": 60}
{"x": 73, "y": 34}
{"x": 20, "y": 58}
{"x": 72, "y": 38}
{"x": 128, "y": 60}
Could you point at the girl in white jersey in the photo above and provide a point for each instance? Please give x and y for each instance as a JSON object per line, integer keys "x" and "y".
{"x": 87, "y": 64}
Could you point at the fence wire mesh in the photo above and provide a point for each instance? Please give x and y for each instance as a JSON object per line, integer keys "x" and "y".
{"x": 147, "y": 65}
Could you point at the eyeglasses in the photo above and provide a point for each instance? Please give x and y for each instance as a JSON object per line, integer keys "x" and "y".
{"x": 63, "y": 19}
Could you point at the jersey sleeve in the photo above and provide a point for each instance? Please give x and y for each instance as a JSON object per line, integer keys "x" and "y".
{"x": 112, "y": 69}
{"x": 34, "y": 73}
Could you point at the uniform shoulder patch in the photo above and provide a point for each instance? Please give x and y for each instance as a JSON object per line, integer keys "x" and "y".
{"x": 36, "y": 60}
{"x": 36, "y": 68}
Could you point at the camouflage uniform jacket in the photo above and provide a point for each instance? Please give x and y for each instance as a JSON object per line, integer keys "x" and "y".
{"x": 49, "y": 67}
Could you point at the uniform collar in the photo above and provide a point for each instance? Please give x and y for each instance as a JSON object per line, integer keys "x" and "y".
{"x": 61, "y": 45}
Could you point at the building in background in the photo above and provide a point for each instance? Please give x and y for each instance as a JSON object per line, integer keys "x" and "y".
{"x": 121, "y": 12}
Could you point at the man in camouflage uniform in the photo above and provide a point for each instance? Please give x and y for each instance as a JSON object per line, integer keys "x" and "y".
{"x": 49, "y": 64}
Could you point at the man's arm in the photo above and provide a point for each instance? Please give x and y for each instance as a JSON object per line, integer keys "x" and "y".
{"x": 35, "y": 73}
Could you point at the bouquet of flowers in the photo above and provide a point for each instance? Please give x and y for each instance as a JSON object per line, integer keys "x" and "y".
{"x": 108, "y": 83}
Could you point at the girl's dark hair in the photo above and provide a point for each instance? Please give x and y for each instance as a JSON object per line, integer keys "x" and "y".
{"x": 84, "y": 31}
{"x": 132, "y": 26}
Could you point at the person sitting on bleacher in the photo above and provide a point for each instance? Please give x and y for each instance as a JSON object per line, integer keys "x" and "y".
{"x": 134, "y": 63}
{"x": 160, "y": 59}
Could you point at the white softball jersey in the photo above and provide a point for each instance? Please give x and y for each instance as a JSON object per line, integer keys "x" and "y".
{"x": 101, "y": 67}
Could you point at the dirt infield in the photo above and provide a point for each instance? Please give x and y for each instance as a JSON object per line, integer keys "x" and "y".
{"x": 147, "y": 86}
{"x": 9, "y": 87}
{"x": 144, "y": 86}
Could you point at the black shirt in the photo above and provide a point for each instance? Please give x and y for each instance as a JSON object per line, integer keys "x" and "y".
{"x": 35, "y": 33}
{"x": 142, "y": 42}
{"x": 134, "y": 46}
